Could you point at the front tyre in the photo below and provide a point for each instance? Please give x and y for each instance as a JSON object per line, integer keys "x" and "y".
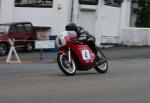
{"x": 68, "y": 68}
{"x": 102, "y": 68}
{"x": 29, "y": 46}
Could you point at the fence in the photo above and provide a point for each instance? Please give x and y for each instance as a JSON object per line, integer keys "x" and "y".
{"x": 38, "y": 56}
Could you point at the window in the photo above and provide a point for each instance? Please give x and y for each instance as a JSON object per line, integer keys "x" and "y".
{"x": 12, "y": 29}
{"x": 20, "y": 28}
{"x": 28, "y": 27}
{"x": 34, "y": 3}
{"x": 89, "y": 2}
{"x": 116, "y": 3}
{"x": 4, "y": 28}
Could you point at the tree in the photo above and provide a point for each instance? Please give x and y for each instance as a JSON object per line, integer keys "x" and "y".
{"x": 143, "y": 13}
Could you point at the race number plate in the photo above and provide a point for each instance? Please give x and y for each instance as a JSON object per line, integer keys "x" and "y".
{"x": 86, "y": 55}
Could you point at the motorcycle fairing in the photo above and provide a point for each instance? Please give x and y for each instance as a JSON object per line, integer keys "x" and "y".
{"x": 84, "y": 53}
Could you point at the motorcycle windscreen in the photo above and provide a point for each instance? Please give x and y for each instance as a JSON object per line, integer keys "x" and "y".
{"x": 84, "y": 53}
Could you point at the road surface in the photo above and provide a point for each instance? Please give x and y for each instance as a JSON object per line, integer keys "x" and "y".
{"x": 127, "y": 81}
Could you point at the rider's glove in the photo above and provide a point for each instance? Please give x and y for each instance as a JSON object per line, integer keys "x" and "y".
{"x": 75, "y": 40}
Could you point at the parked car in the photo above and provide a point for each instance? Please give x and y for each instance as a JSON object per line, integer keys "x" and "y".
{"x": 23, "y": 33}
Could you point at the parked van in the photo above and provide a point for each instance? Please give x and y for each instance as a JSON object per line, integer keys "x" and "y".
{"x": 23, "y": 33}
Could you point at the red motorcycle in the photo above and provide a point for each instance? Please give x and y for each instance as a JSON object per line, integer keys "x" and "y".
{"x": 77, "y": 56}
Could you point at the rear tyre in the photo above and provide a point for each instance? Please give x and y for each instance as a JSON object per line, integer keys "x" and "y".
{"x": 103, "y": 67}
{"x": 3, "y": 49}
{"x": 68, "y": 68}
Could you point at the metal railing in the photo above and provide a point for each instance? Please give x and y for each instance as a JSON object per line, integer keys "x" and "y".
{"x": 40, "y": 45}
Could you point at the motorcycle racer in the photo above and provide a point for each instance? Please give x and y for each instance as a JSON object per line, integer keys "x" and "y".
{"x": 83, "y": 36}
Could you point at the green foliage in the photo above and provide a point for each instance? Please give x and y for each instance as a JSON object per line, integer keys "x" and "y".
{"x": 143, "y": 13}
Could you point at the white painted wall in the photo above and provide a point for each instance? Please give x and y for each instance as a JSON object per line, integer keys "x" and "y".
{"x": 87, "y": 19}
{"x": 125, "y": 17}
{"x": 49, "y": 17}
{"x": 136, "y": 36}
{"x": 108, "y": 22}
{"x": 6, "y": 11}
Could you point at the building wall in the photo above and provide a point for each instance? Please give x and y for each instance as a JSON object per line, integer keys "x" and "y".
{"x": 108, "y": 24}
{"x": 46, "y": 17}
{"x": 6, "y": 11}
{"x": 136, "y": 36}
{"x": 134, "y": 6}
{"x": 108, "y": 20}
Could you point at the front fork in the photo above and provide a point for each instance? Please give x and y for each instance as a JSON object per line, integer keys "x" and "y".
{"x": 69, "y": 54}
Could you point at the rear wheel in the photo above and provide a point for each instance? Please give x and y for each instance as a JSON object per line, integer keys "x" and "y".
{"x": 3, "y": 49}
{"x": 29, "y": 46}
{"x": 68, "y": 68}
{"x": 102, "y": 68}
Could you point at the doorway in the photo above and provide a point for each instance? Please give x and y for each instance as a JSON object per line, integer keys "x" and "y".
{"x": 87, "y": 19}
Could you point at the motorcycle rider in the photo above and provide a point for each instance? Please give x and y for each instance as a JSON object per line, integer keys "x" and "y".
{"x": 83, "y": 36}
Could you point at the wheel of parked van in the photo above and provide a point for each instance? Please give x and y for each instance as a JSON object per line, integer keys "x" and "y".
{"x": 3, "y": 49}
{"x": 29, "y": 46}
{"x": 68, "y": 68}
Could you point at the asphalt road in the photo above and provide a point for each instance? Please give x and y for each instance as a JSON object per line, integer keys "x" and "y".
{"x": 115, "y": 53}
{"x": 127, "y": 81}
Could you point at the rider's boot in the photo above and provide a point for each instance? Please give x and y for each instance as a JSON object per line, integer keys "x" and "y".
{"x": 97, "y": 58}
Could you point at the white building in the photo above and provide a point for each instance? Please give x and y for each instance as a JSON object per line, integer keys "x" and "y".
{"x": 105, "y": 22}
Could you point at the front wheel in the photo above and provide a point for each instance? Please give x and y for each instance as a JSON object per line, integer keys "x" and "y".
{"x": 29, "y": 46}
{"x": 68, "y": 68}
{"x": 102, "y": 68}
